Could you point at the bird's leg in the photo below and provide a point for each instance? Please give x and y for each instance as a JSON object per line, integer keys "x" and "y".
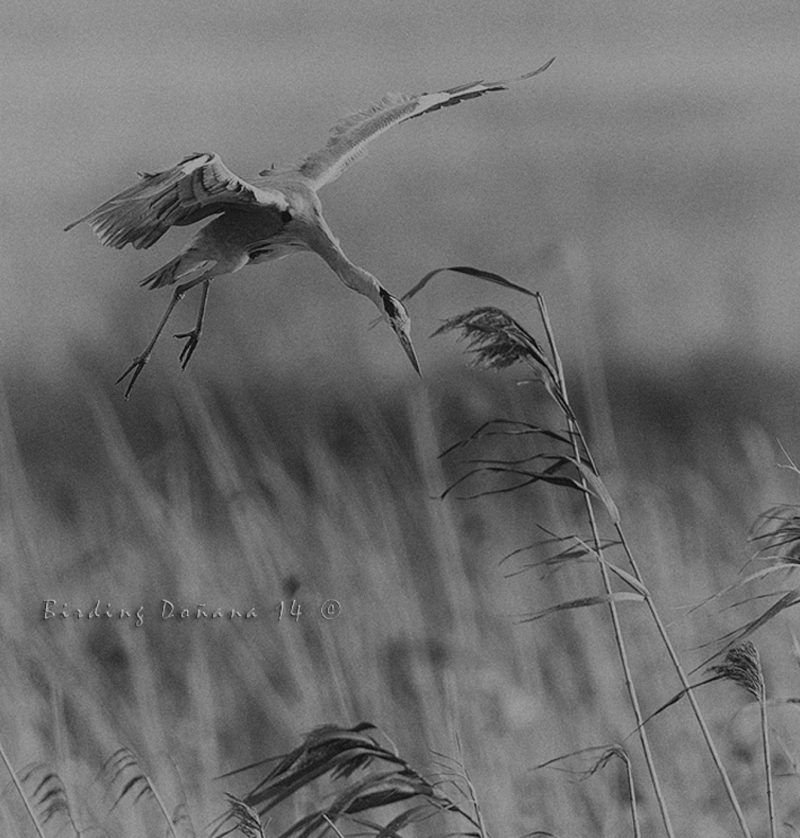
{"x": 193, "y": 337}
{"x": 138, "y": 363}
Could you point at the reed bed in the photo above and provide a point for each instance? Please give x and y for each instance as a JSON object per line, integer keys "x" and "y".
{"x": 460, "y": 622}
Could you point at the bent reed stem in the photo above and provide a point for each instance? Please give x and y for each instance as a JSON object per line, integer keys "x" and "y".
{"x": 660, "y": 627}
{"x": 575, "y": 435}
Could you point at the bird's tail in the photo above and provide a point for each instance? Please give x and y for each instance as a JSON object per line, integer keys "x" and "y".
{"x": 175, "y": 269}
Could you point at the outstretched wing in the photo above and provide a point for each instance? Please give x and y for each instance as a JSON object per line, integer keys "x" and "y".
{"x": 350, "y": 136}
{"x": 199, "y": 186}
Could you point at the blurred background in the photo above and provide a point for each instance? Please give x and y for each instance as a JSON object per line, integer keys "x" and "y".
{"x": 647, "y": 184}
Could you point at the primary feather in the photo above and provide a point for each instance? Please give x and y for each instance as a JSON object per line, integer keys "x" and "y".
{"x": 199, "y": 186}
{"x": 350, "y": 136}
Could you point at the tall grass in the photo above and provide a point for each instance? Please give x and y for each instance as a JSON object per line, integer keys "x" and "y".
{"x": 499, "y": 341}
{"x": 233, "y": 499}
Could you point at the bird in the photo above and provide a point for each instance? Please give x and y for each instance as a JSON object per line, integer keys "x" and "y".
{"x": 264, "y": 219}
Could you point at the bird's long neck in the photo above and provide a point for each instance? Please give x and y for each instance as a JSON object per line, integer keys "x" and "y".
{"x": 392, "y": 310}
{"x": 354, "y": 277}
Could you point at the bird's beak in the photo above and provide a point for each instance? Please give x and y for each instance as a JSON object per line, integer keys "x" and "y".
{"x": 408, "y": 348}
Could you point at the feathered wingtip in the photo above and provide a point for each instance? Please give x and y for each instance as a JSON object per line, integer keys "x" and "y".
{"x": 141, "y": 214}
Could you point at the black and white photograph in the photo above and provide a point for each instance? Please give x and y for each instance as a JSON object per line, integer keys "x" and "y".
{"x": 399, "y": 419}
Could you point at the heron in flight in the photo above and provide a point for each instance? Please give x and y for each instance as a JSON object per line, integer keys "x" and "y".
{"x": 276, "y": 214}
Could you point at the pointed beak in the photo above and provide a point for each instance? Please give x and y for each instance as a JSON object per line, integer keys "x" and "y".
{"x": 408, "y": 348}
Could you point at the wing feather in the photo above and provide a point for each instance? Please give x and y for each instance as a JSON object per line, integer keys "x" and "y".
{"x": 199, "y": 186}
{"x": 350, "y": 136}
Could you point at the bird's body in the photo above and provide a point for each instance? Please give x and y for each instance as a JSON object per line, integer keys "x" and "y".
{"x": 268, "y": 218}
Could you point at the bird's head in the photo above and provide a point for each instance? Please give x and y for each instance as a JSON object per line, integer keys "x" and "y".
{"x": 395, "y": 314}
{"x": 305, "y": 224}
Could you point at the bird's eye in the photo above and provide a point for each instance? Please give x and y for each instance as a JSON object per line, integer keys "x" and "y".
{"x": 286, "y": 216}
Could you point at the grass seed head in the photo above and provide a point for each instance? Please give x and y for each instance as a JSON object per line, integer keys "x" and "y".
{"x": 246, "y": 818}
{"x": 496, "y": 339}
{"x": 742, "y": 665}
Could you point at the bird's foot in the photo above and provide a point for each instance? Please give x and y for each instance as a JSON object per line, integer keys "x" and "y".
{"x": 135, "y": 368}
{"x": 192, "y": 339}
